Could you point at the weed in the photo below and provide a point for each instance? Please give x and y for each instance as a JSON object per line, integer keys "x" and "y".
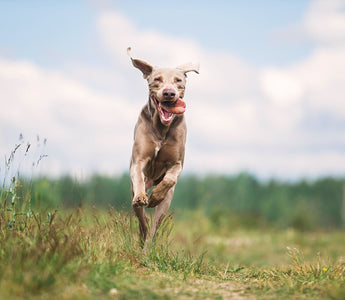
{"x": 15, "y": 194}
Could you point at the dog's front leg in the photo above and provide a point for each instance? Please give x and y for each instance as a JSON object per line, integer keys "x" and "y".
{"x": 139, "y": 197}
{"x": 138, "y": 184}
{"x": 170, "y": 179}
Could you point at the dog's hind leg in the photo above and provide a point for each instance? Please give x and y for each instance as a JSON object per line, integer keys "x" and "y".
{"x": 161, "y": 210}
{"x": 143, "y": 219}
{"x": 143, "y": 224}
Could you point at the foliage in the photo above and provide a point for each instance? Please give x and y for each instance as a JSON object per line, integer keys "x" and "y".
{"x": 239, "y": 200}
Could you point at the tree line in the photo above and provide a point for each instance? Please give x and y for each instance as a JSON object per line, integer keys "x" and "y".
{"x": 240, "y": 199}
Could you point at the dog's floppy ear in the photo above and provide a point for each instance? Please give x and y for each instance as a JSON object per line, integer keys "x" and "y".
{"x": 189, "y": 67}
{"x": 143, "y": 66}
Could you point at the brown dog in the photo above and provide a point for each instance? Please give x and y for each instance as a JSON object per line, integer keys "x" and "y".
{"x": 159, "y": 142}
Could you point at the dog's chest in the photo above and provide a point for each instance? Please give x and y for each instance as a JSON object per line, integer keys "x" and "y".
{"x": 156, "y": 151}
{"x": 163, "y": 156}
{"x": 163, "y": 152}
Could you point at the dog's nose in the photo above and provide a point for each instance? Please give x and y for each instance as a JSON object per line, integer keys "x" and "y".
{"x": 169, "y": 94}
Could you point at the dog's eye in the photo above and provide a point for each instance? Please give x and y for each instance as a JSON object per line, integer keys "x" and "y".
{"x": 158, "y": 79}
{"x": 178, "y": 79}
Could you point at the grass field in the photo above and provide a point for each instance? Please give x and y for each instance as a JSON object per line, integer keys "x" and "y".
{"x": 89, "y": 253}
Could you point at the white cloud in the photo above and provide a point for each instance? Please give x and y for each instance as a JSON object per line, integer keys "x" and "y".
{"x": 325, "y": 21}
{"x": 316, "y": 83}
{"x": 118, "y": 33}
{"x": 281, "y": 87}
{"x": 86, "y": 130}
{"x": 322, "y": 76}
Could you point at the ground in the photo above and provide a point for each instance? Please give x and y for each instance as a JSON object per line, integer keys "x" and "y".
{"x": 90, "y": 253}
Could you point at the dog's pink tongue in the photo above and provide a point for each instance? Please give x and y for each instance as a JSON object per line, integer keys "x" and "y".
{"x": 179, "y": 108}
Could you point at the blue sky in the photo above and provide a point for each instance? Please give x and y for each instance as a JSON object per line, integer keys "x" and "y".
{"x": 250, "y": 29}
{"x": 47, "y": 32}
{"x": 51, "y": 32}
{"x": 268, "y": 100}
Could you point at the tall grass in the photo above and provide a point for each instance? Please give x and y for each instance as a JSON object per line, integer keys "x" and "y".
{"x": 15, "y": 193}
{"x": 62, "y": 246}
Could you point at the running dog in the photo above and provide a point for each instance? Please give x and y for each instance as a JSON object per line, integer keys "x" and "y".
{"x": 159, "y": 142}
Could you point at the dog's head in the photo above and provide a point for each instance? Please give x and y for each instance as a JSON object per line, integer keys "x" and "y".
{"x": 166, "y": 87}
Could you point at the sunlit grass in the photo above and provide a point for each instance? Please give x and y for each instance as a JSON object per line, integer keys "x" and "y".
{"x": 86, "y": 253}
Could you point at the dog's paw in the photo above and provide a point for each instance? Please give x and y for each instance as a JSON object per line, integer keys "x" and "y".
{"x": 140, "y": 200}
{"x": 155, "y": 199}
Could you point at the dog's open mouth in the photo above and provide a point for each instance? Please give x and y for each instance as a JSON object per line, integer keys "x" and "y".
{"x": 167, "y": 109}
